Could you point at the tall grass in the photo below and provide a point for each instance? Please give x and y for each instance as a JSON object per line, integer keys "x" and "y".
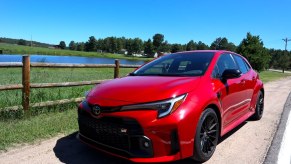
{"x": 52, "y": 75}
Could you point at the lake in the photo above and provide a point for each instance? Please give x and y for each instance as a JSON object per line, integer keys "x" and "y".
{"x": 67, "y": 59}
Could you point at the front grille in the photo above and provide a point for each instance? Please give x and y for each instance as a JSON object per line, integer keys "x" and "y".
{"x": 108, "y": 130}
{"x": 105, "y": 133}
{"x": 114, "y": 132}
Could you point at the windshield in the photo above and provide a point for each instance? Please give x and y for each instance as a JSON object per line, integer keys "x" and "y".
{"x": 184, "y": 64}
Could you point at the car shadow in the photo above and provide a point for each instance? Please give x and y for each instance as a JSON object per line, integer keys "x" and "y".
{"x": 70, "y": 150}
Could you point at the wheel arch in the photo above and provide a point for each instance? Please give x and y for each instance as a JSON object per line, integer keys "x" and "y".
{"x": 218, "y": 114}
{"x": 263, "y": 91}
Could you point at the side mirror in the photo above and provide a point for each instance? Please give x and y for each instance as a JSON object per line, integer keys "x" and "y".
{"x": 230, "y": 74}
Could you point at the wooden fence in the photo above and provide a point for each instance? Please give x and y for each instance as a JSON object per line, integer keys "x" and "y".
{"x": 26, "y": 85}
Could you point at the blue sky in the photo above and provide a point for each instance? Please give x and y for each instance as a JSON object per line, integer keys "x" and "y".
{"x": 179, "y": 20}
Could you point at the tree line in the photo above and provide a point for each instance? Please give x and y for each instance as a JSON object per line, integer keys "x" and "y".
{"x": 133, "y": 46}
{"x": 23, "y": 42}
{"x": 251, "y": 47}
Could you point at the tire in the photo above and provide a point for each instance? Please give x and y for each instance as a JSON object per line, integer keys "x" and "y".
{"x": 206, "y": 136}
{"x": 259, "y": 107}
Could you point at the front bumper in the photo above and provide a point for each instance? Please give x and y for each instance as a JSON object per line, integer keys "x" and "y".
{"x": 112, "y": 151}
{"x": 124, "y": 137}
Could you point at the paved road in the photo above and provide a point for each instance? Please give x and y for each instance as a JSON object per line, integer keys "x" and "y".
{"x": 284, "y": 155}
{"x": 280, "y": 150}
{"x": 249, "y": 143}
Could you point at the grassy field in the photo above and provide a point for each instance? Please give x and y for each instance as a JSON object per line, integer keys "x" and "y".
{"x": 267, "y": 76}
{"x": 20, "y": 131}
{"x": 49, "y": 122}
{"x": 45, "y": 75}
{"x": 18, "y": 49}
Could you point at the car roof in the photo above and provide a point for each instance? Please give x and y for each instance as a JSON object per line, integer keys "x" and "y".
{"x": 214, "y": 51}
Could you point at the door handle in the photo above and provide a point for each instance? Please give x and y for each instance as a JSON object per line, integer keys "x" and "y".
{"x": 243, "y": 81}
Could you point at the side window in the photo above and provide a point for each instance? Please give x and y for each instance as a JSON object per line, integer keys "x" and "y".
{"x": 241, "y": 63}
{"x": 224, "y": 62}
{"x": 247, "y": 65}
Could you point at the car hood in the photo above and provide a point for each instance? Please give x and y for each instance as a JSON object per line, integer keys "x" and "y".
{"x": 141, "y": 89}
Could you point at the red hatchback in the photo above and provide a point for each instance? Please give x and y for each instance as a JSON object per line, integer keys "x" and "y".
{"x": 175, "y": 107}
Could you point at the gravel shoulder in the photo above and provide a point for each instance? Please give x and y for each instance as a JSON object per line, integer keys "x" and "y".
{"x": 248, "y": 143}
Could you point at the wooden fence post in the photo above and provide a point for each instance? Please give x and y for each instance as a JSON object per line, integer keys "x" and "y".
{"x": 25, "y": 83}
{"x": 116, "y": 69}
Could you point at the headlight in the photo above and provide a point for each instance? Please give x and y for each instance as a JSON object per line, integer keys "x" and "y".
{"x": 164, "y": 108}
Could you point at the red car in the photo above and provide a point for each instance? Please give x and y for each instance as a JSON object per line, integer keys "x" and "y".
{"x": 174, "y": 107}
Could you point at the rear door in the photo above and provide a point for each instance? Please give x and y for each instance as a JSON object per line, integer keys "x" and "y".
{"x": 246, "y": 86}
{"x": 247, "y": 79}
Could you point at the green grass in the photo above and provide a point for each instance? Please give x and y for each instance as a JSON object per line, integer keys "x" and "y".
{"x": 51, "y": 121}
{"x": 17, "y": 132}
{"x": 268, "y": 76}
{"x": 19, "y": 49}
{"x": 52, "y": 75}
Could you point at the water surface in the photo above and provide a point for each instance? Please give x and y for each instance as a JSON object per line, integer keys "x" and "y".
{"x": 68, "y": 59}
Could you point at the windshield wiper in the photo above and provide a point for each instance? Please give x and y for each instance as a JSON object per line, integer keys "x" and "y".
{"x": 131, "y": 74}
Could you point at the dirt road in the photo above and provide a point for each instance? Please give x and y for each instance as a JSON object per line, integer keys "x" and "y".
{"x": 248, "y": 143}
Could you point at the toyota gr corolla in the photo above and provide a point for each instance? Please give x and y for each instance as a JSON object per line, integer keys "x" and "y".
{"x": 174, "y": 107}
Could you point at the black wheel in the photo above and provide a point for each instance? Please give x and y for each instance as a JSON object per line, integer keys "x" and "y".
{"x": 259, "y": 107}
{"x": 206, "y": 136}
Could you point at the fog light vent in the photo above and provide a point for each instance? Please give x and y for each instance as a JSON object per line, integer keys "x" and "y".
{"x": 146, "y": 144}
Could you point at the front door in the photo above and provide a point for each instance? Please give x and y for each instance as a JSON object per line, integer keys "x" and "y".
{"x": 228, "y": 92}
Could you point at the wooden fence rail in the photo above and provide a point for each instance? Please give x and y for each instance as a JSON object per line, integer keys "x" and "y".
{"x": 26, "y": 85}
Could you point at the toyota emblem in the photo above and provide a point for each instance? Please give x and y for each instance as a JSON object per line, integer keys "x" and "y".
{"x": 96, "y": 110}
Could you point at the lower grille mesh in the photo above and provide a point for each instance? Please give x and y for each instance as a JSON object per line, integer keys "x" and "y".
{"x": 108, "y": 130}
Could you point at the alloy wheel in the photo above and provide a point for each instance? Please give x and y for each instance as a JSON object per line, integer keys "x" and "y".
{"x": 261, "y": 105}
{"x": 209, "y": 135}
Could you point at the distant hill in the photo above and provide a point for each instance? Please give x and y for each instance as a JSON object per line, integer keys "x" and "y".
{"x": 27, "y": 42}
